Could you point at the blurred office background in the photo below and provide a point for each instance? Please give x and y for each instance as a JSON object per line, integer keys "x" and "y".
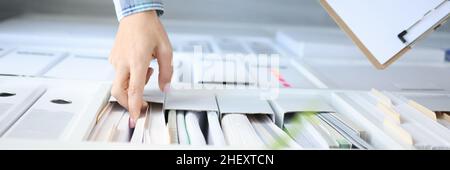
{"x": 96, "y": 19}
{"x": 276, "y": 12}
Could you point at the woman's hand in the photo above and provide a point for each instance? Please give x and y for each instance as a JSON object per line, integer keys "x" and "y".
{"x": 140, "y": 39}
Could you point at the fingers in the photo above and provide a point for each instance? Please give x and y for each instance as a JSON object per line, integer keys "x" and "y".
{"x": 120, "y": 92}
{"x": 138, "y": 75}
{"x": 164, "y": 57}
{"x": 120, "y": 86}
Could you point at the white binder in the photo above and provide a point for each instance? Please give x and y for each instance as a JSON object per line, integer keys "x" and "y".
{"x": 14, "y": 101}
{"x": 65, "y": 112}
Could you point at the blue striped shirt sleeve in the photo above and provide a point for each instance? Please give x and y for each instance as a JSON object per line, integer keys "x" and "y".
{"x": 127, "y": 7}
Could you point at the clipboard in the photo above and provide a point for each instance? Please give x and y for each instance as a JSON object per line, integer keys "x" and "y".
{"x": 385, "y": 30}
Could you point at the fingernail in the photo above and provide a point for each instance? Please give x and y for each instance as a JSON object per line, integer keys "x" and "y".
{"x": 131, "y": 123}
{"x": 166, "y": 88}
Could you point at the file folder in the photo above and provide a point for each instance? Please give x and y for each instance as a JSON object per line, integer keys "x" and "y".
{"x": 172, "y": 125}
{"x": 181, "y": 129}
{"x": 195, "y": 126}
{"x": 301, "y": 128}
{"x": 122, "y": 131}
{"x": 215, "y": 134}
{"x": 105, "y": 130}
{"x": 238, "y": 131}
{"x": 157, "y": 128}
{"x": 139, "y": 135}
{"x": 272, "y": 136}
{"x": 423, "y": 109}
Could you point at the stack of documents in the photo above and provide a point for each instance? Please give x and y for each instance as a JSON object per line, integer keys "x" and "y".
{"x": 113, "y": 126}
{"x": 321, "y": 130}
{"x": 155, "y": 127}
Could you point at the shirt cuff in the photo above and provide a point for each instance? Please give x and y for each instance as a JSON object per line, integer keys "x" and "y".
{"x": 128, "y": 7}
